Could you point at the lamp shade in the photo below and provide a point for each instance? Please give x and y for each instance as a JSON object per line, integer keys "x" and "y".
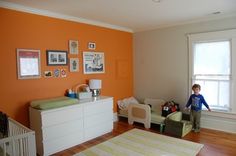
{"x": 95, "y": 84}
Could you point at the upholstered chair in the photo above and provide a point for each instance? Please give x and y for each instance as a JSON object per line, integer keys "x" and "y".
{"x": 178, "y": 124}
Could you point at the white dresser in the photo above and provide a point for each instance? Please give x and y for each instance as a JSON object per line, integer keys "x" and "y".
{"x": 61, "y": 128}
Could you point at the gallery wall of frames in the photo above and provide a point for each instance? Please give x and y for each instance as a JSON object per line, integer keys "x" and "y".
{"x": 29, "y": 65}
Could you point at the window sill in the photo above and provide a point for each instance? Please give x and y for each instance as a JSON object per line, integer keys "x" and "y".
{"x": 228, "y": 115}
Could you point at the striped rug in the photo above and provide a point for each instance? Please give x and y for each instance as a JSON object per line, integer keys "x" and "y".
{"x": 138, "y": 142}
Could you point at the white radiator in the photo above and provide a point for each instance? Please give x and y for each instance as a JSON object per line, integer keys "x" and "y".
{"x": 20, "y": 141}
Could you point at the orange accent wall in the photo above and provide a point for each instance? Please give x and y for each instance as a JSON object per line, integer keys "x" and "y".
{"x": 29, "y": 31}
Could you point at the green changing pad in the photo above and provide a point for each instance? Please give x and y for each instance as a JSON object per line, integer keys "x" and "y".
{"x": 53, "y": 103}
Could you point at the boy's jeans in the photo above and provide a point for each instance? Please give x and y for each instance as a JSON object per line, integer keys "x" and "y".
{"x": 195, "y": 117}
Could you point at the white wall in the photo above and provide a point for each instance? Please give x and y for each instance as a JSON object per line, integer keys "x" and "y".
{"x": 161, "y": 60}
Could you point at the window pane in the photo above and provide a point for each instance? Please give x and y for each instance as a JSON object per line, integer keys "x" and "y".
{"x": 224, "y": 94}
{"x": 216, "y": 93}
{"x": 210, "y": 92}
{"x": 212, "y": 58}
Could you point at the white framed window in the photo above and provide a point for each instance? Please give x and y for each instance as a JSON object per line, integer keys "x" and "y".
{"x": 212, "y": 65}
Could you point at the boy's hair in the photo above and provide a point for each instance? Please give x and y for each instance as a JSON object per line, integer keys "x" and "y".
{"x": 196, "y": 86}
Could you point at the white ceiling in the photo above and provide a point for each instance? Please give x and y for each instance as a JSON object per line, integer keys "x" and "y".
{"x": 133, "y": 15}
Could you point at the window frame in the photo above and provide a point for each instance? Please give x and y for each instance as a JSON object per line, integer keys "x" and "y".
{"x": 226, "y": 35}
{"x": 229, "y": 76}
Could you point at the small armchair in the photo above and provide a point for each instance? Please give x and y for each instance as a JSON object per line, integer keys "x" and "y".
{"x": 178, "y": 125}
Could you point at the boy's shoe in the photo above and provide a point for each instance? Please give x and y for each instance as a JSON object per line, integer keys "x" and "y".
{"x": 197, "y": 130}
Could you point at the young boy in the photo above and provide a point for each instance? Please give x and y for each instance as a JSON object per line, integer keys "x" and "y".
{"x": 196, "y": 100}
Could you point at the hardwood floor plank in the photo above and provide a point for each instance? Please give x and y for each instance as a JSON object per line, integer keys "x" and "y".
{"x": 216, "y": 143}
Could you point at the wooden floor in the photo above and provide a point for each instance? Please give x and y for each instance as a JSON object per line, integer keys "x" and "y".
{"x": 216, "y": 143}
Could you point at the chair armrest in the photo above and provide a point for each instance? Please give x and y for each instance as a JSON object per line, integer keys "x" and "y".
{"x": 169, "y": 115}
{"x": 175, "y": 128}
{"x": 139, "y": 113}
{"x": 176, "y": 116}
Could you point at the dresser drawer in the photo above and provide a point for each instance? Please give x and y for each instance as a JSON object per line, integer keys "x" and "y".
{"x": 96, "y": 120}
{"x": 62, "y": 143}
{"x": 61, "y": 116}
{"x": 98, "y": 107}
{"x": 99, "y": 130}
{"x": 60, "y": 130}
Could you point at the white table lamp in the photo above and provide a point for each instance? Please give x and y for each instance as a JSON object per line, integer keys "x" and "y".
{"x": 95, "y": 85}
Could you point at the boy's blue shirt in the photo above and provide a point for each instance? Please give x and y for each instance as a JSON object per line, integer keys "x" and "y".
{"x": 196, "y": 102}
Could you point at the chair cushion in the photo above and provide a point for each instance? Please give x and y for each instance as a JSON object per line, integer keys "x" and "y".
{"x": 186, "y": 121}
{"x": 123, "y": 104}
{"x": 123, "y": 113}
{"x": 157, "y": 118}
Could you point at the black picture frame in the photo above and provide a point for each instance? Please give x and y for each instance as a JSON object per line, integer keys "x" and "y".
{"x": 57, "y": 57}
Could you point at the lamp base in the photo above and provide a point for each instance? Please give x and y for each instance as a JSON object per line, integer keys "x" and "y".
{"x": 96, "y": 92}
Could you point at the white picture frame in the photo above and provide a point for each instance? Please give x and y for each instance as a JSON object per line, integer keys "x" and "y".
{"x": 28, "y": 63}
{"x": 73, "y": 47}
{"x": 93, "y": 62}
{"x": 74, "y": 64}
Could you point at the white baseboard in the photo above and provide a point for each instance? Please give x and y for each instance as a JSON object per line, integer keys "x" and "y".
{"x": 218, "y": 123}
{"x": 210, "y": 122}
{"x": 115, "y": 117}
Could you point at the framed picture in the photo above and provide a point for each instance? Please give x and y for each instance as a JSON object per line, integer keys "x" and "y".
{"x": 56, "y": 57}
{"x": 91, "y": 46}
{"x": 47, "y": 74}
{"x": 73, "y": 47}
{"x": 57, "y": 73}
{"x": 74, "y": 64}
{"x": 63, "y": 72}
{"x": 93, "y": 62}
{"x": 28, "y": 64}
